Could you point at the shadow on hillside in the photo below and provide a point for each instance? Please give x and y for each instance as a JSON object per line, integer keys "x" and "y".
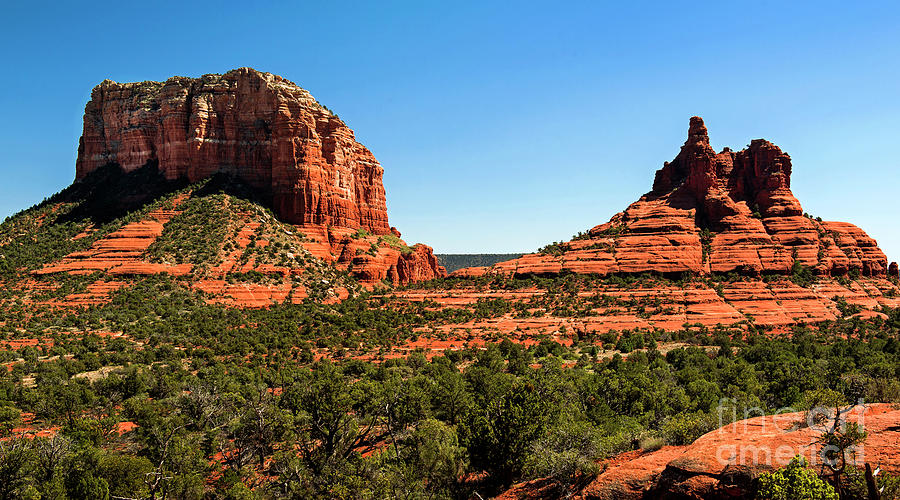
{"x": 109, "y": 193}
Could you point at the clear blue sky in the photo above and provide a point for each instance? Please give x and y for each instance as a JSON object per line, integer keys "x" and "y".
{"x": 501, "y": 126}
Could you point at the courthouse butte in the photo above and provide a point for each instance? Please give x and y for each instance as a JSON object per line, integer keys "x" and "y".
{"x": 274, "y": 139}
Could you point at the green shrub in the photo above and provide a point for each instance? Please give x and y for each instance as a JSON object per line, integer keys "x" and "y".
{"x": 651, "y": 443}
{"x": 706, "y": 237}
{"x": 685, "y": 428}
{"x": 396, "y": 242}
{"x": 10, "y": 418}
{"x": 794, "y": 482}
{"x": 802, "y": 275}
{"x": 555, "y": 249}
{"x": 569, "y": 451}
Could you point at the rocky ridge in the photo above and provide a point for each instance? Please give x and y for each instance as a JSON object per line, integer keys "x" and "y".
{"x": 725, "y": 462}
{"x": 711, "y": 213}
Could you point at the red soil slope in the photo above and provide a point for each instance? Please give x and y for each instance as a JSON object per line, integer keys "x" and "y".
{"x": 121, "y": 252}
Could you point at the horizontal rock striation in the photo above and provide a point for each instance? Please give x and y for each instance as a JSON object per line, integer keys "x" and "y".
{"x": 708, "y": 213}
{"x": 598, "y": 308}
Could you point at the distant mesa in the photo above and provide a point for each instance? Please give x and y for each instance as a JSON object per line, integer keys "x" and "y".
{"x": 265, "y": 131}
{"x": 709, "y": 213}
{"x": 454, "y": 261}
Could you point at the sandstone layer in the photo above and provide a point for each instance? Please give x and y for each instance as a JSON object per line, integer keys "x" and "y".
{"x": 126, "y": 253}
{"x": 708, "y": 213}
{"x": 587, "y": 311}
{"x": 372, "y": 258}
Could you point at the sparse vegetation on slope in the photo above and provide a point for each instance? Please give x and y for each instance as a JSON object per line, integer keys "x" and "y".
{"x": 241, "y": 403}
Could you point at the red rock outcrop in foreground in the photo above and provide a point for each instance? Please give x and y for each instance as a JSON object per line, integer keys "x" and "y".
{"x": 724, "y": 462}
{"x": 712, "y": 212}
{"x": 264, "y": 130}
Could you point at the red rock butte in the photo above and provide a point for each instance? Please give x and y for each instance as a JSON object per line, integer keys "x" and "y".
{"x": 259, "y": 127}
{"x": 273, "y": 136}
{"x": 708, "y": 213}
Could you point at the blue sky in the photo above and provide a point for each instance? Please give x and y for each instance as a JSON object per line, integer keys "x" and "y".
{"x": 501, "y": 126}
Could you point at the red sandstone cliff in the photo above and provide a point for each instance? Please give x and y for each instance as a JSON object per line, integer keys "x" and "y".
{"x": 257, "y": 126}
{"x": 260, "y": 128}
{"x": 713, "y": 212}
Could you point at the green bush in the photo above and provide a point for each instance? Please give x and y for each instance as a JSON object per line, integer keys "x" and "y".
{"x": 570, "y": 450}
{"x": 685, "y": 428}
{"x": 802, "y": 275}
{"x": 794, "y": 482}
